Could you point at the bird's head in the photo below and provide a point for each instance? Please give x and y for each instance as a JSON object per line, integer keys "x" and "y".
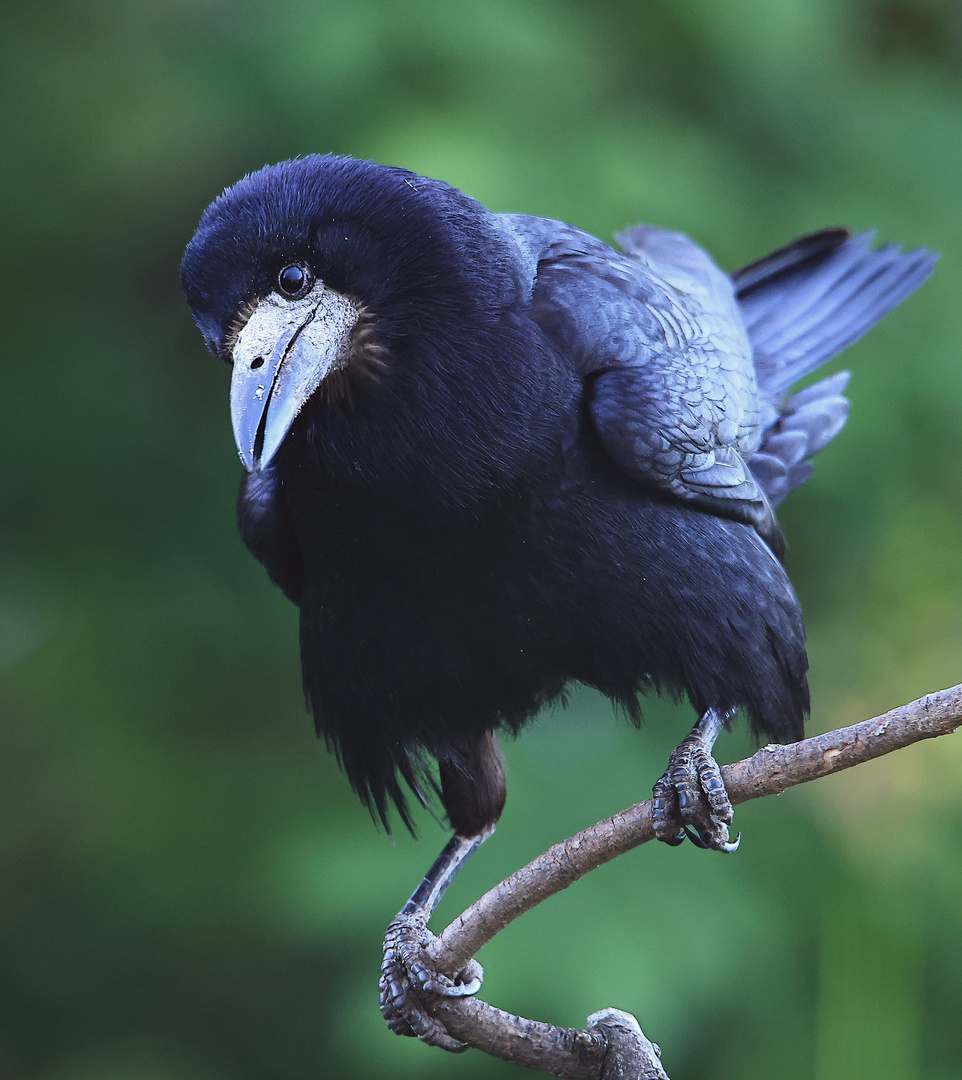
{"x": 320, "y": 273}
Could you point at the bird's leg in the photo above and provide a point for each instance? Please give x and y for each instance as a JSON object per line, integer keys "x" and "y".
{"x": 472, "y": 789}
{"x": 692, "y": 791}
{"x": 408, "y": 980}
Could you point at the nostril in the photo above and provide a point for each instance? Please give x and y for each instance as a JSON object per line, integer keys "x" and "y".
{"x": 255, "y": 364}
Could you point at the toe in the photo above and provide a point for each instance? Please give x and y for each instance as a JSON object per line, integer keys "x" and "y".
{"x": 691, "y": 800}
{"x": 409, "y": 983}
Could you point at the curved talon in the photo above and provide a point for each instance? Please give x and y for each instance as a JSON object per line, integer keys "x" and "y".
{"x": 694, "y": 838}
{"x": 731, "y": 845}
{"x": 727, "y": 846}
{"x": 408, "y": 982}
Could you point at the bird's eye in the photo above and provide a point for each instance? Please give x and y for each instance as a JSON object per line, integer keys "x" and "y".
{"x": 294, "y": 281}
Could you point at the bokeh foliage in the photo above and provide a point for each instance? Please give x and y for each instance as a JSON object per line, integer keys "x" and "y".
{"x": 188, "y": 890}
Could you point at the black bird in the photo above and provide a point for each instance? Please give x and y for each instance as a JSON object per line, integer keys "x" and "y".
{"x": 488, "y": 455}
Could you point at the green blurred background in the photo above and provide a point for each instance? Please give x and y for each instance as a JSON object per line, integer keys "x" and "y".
{"x": 188, "y": 889}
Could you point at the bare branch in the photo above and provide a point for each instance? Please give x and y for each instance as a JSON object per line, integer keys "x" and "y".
{"x": 612, "y": 1048}
{"x": 583, "y": 1054}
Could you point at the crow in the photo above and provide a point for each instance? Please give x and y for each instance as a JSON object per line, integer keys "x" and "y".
{"x": 488, "y": 456}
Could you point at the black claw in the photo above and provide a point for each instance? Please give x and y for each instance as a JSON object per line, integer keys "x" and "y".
{"x": 408, "y": 983}
{"x": 692, "y": 794}
{"x": 695, "y": 839}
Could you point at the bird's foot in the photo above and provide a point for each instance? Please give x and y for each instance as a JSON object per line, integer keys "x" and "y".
{"x": 692, "y": 793}
{"x": 409, "y": 983}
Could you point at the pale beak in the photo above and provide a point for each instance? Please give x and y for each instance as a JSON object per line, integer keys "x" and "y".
{"x": 283, "y": 353}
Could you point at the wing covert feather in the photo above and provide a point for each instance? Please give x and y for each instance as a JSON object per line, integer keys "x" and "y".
{"x": 657, "y": 335}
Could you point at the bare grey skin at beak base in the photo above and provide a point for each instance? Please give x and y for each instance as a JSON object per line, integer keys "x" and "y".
{"x": 284, "y": 352}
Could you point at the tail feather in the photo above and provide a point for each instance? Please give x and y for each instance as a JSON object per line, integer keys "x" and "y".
{"x": 808, "y": 421}
{"x": 801, "y": 306}
{"x": 792, "y": 257}
{"x": 809, "y": 301}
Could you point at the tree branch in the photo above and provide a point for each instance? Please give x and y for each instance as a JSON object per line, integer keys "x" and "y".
{"x": 587, "y": 1055}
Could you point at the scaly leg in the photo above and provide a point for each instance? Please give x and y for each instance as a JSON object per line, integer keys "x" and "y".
{"x": 693, "y": 792}
{"x": 407, "y": 979}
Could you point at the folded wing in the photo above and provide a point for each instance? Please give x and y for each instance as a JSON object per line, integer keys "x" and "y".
{"x": 688, "y": 370}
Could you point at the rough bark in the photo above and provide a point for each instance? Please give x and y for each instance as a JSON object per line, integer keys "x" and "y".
{"x": 613, "y": 1047}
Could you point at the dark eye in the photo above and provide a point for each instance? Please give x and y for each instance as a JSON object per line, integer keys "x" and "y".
{"x": 294, "y": 281}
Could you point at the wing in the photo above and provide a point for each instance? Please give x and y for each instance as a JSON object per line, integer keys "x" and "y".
{"x": 658, "y": 337}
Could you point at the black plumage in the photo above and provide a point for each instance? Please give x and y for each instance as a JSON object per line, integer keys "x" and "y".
{"x": 489, "y": 455}
{"x": 535, "y": 460}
